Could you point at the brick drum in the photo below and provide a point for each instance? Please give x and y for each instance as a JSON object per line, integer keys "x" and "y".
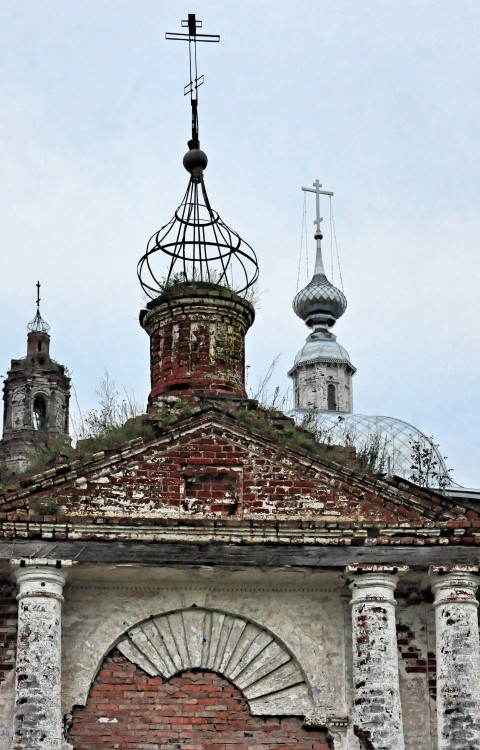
{"x": 197, "y": 342}
{"x": 127, "y": 709}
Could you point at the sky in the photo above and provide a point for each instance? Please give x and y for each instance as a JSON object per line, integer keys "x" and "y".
{"x": 378, "y": 99}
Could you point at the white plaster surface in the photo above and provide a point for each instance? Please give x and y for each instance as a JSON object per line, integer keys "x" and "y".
{"x": 458, "y": 660}
{"x": 7, "y": 700}
{"x": 377, "y": 708}
{"x": 37, "y": 717}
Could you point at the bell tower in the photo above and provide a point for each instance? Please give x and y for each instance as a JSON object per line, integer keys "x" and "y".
{"x": 36, "y": 397}
{"x": 322, "y": 371}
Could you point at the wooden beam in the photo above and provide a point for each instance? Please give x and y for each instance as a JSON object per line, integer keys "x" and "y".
{"x": 258, "y": 555}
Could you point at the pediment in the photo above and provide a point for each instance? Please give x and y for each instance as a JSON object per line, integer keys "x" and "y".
{"x": 212, "y": 466}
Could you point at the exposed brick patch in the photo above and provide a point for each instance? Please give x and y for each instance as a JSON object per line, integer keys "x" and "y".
{"x": 8, "y": 626}
{"x": 196, "y": 710}
{"x": 415, "y": 663}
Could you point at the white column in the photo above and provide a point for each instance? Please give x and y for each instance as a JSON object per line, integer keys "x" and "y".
{"x": 458, "y": 656}
{"x": 38, "y": 715}
{"x": 377, "y": 712}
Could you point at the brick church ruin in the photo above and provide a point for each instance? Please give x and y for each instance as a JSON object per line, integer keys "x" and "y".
{"x": 223, "y": 580}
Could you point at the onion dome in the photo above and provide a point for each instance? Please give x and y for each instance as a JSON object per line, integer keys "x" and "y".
{"x": 391, "y": 445}
{"x": 319, "y": 303}
{"x": 322, "y": 347}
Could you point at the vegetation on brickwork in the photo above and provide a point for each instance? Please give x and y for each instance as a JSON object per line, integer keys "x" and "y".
{"x": 59, "y": 452}
{"x": 47, "y": 506}
{"x": 274, "y": 425}
{"x": 176, "y": 280}
{"x": 425, "y": 468}
{"x": 101, "y": 431}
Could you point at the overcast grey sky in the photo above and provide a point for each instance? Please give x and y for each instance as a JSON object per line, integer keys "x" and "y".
{"x": 378, "y": 99}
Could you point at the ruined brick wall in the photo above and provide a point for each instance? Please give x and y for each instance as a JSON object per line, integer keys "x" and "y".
{"x": 127, "y": 708}
{"x": 217, "y": 470}
{"x": 8, "y": 626}
{"x": 417, "y": 661}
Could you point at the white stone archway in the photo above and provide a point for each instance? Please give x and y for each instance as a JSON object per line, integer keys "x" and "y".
{"x": 249, "y": 656}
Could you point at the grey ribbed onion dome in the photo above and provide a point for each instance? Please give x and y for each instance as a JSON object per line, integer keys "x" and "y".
{"x": 320, "y": 302}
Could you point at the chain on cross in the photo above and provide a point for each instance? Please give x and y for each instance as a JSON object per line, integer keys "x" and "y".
{"x": 192, "y": 37}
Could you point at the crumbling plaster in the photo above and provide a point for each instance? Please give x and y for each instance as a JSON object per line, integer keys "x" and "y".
{"x": 304, "y": 612}
{"x": 307, "y": 610}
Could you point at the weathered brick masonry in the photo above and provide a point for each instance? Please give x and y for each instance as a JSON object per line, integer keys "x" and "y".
{"x": 193, "y": 711}
{"x": 8, "y": 625}
{"x": 215, "y": 491}
{"x": 197, "y": 342}
{"x": 210, "y": 465}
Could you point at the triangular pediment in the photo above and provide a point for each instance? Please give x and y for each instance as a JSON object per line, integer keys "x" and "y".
{"x": 212, "y": 466}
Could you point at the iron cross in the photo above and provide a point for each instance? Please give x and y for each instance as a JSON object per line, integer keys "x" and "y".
{"x": 38, "y": 297}
{"x": 318, "y": 193}
{"x": 192, "y": 87}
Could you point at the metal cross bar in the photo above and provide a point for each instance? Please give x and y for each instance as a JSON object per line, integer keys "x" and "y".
{"x": 195, "y": 80}
{"x": 38, "y": 296}
{"x": 318, "y": 193}
{"x": 188, "y": 37}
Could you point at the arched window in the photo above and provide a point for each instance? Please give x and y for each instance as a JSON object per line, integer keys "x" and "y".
{"x": 39, "y": 413}
{"x": 331, "y": 398}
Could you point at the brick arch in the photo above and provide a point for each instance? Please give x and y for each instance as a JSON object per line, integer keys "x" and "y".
{"x": 199, "y": 709}
{"x": 254, "y": 660}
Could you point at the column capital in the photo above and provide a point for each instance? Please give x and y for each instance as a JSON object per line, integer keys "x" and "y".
{"x": 40, "y": 578}
{"x": 361, "y": 568}
{"x": 455, "y": 584}
{"x": 374, "y": 583}
{"x": 447, "y": 569}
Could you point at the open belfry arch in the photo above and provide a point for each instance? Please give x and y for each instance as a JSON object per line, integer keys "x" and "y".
{"x": 223, "y": 579}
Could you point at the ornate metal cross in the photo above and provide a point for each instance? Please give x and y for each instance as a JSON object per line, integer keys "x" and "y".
{"x": 192, "y": 87}
{"x": 318, "y": 193}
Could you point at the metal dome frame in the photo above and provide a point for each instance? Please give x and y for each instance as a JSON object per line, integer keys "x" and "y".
{"x": 201, "y": 247}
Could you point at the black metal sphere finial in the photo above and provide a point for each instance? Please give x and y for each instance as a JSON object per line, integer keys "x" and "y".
{"x": 195, "y": 161}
